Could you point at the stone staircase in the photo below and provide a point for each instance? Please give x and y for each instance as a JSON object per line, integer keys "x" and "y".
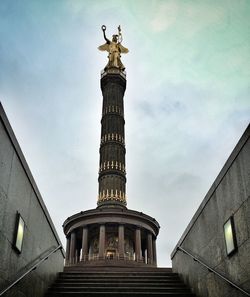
{"x": 118, "y": 282}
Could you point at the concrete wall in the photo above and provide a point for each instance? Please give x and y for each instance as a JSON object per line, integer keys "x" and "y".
{"x": 19, "y": 193}
{"x": 204, "y": 237}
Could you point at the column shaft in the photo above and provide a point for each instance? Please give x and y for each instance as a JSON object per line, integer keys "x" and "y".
{"x": 143, "y": 253}
{"x": 150, "y": 249}
{"x": 138, "y": 244}
{"x": 77, "y": 258}
{"x": 85, "y": 244}
{"x": 67, "y": 251}
{"x": 72, "y": 247}
{"x": 121, "y": 241}
{"x": 154, "y": 252}
{"x": 102, "y": 241}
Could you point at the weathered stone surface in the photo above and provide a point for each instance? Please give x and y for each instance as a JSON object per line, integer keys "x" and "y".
{"x": 6, "y": 155}
{"x": 19, "y": 193}
{"x": 204, "y": 236}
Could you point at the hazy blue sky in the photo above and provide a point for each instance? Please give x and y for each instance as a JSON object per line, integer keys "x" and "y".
{"x": 186, "y": 104}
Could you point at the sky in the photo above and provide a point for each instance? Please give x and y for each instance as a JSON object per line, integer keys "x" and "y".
{"x": 186, "y": 103}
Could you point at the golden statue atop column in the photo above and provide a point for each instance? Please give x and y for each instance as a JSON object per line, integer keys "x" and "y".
{"x": 114, "y": 48}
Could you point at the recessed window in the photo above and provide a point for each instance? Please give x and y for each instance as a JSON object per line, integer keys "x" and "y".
{"x": 19, "y": 232}
{"x": 230, "y": 237}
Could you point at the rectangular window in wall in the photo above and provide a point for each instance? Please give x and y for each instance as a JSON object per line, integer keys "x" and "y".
{"x": 19, "y": 233}
{"x": 230, "y": 237}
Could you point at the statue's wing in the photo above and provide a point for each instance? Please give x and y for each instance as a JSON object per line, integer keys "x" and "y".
{"x": 104, "y": 47}
{"x": 123, "y": 49}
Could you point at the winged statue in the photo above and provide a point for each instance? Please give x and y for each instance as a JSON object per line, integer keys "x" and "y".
{"x": 114, "y": 48}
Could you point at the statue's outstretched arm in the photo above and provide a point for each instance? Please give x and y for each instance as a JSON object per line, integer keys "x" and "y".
{"x": 104, "y": 34}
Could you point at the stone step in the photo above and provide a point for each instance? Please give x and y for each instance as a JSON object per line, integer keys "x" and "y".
{"x": 119, "y": 280}
{"x": 120, "y": 284}
{"x": 131, "y": 275}
{"x": 111, "y": 292}
{"x": 113, "y": 263}
{"x": 118, "y": 288}
{"x": 120, "y": 294}
{"x": 119, "y": 272}
{"x": 115, "y": 269}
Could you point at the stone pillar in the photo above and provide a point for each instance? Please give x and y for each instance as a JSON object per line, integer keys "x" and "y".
{"x": 138, "y": 244}
{"x": 143, "y": 253}
{"x": 77, "y": 258}
{"x": 67, "y": 251}
{"x": 85, "y": 243}
{"x": 154, "y": 252}
{"x": 121, "y": 241}
{"x": 72, "y": 248}
{"x": 150, "y": 248}
{"x": 102, "y": 242}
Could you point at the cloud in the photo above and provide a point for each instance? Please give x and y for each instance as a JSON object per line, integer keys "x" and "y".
{"x": 201, "y": 15}
{"x": 164, "y": 16}
{"x": 189, "y": 17}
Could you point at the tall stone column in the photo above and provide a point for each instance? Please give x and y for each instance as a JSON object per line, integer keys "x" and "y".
{"x": 67, "y": 251}
{"x": 112, "y": 167}
{"x": 102, "y": 241}
{"x": 138, "y": 244}
{"x": 154, "y": 252}
{"x": 150, "y": 248}
{"x": 72, "y": 247}
{"x": 121, "y": 241}
{"x": 85, "y": 243}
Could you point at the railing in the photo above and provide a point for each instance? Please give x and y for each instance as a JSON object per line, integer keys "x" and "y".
{"x": 113, "y": 70}
{"x": 212, "y": 270}
{"x": 94, "y": 257}
{"x": 31, "y": 269}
